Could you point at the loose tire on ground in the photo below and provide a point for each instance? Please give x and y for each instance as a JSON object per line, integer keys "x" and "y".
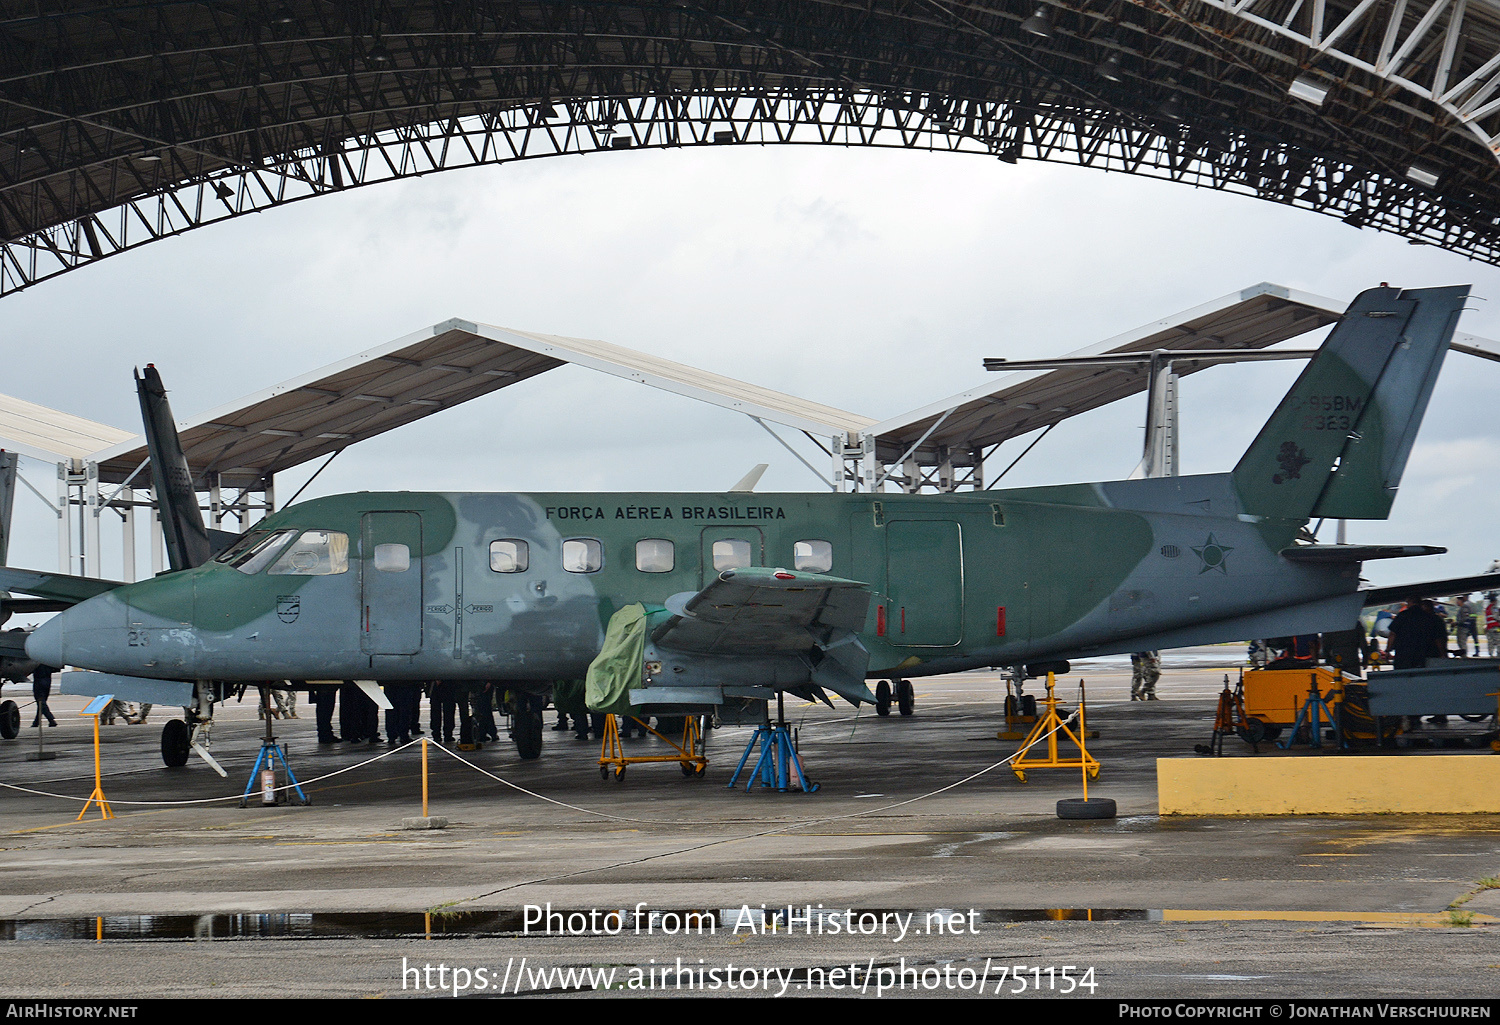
{"x": 1092, "y": 808}
{"x": 174, "y": 743}
{"x": 10, "y": 720}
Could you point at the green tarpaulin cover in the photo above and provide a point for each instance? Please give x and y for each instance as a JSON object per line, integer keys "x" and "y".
{"x": 617, "y": 669}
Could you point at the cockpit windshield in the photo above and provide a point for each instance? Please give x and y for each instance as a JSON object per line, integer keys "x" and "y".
{"x": 317, "y": 553}
{"x": 254, "y": 551}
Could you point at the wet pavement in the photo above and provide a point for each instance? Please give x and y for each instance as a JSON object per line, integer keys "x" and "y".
{"x": 913, "y": 816}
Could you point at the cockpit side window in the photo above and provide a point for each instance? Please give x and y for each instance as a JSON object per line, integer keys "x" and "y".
{"x": 253, "y": 552}
{"x": 317, "y": 553}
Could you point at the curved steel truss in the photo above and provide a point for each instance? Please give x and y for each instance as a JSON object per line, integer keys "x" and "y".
{"x": 122, "y": 124}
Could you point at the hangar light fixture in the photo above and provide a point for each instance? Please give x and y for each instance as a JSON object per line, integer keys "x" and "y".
{"x": 1305, "y": 87}
{"x": 1172, "y": 108}
{"x": 1109, "y": 68}
{"x": 1421, "y": 175}
{"x": 1039, "y": 24}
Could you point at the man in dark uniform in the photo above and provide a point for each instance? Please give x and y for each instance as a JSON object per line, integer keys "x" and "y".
{"x": 41, "y": 690}
{"x": 1417, "y": 634}
{"x": 324, "y": 698}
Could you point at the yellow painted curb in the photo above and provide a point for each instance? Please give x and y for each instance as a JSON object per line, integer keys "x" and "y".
{"x": 1329, "y": 785}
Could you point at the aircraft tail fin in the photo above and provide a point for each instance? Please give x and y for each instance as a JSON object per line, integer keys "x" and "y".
{"x": 1338, "y": 442}
{"x": 187, "y": 538}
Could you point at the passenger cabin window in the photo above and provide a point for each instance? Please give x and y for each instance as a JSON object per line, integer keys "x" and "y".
{"x": 392, "y": 558}
{"x": 582, "y": 555}
{"x": 317, "y": 553}
{"x": 254, "y": 552}
{"x": 655, "y": 555}
{"x": 732, "y": 553}
{"x": 813, "y": 556}
{"x": 509, "y": 556}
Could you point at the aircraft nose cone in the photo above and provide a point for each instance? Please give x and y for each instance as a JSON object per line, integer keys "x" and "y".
{"x": 46, "y": 643}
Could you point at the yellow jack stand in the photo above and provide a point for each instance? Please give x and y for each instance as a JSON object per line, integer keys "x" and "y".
{"x": 690, "y": 755}
{"x": 1050, "y": 725}
{"x": 97, "y": 797}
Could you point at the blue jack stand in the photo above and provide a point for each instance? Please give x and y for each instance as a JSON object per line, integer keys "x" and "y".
{"x": 270, "y": 753}
{"x": 1308, "y": 716}
{"x": 778, "y": 765}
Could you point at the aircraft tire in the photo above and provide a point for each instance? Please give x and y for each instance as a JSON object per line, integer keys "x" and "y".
{"x": 1011, "y": 708}
{"x": 10, "y": 720}
{"x": 175, "y": 739}
{"x": 883, "y": 698}
{"x": 528, "y": 727}
{"x": 906, "y": 697}
{"x": 1086, "y": 808}
{"x": 1028, "y": 705}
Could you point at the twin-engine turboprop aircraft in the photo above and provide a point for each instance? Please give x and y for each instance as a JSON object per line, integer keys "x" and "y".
{"x": 807, "y": 593}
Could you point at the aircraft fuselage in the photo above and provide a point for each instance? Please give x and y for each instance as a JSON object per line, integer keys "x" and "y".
{"x": 519, "y": 587}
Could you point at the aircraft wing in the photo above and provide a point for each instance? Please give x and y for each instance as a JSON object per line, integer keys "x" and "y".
{"x": 56, "y": 586}
{"x": 756, "y": 611}
{"x": 1431, "y": 589}
{"x": 790, "y": 630}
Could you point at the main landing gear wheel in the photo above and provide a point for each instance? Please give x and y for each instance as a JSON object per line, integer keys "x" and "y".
{"x": 528, "y": 726}
{"x": 1028, "y": 705}
{"x": 10, "y": 720}
{"x": 906, "y": 697}
{"x": 174, "y": 743}
{"x": 1086, "y": 808}
{"x": 883, "y": 698}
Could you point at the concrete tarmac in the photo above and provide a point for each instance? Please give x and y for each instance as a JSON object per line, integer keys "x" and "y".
{"x": 913, "y": 815}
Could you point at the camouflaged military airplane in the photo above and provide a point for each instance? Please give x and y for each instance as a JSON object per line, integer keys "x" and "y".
{"x": 806, "y": 593}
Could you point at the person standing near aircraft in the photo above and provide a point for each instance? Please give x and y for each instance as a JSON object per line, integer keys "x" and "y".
{"x": 1145, "y": 669}
{"x": 1467, "y": 630}
{"x": 1417, "y": 634}
{"x": 1492, "y": 627}
{"x": 41, "y": 690}
{"x": 324, "y": 698}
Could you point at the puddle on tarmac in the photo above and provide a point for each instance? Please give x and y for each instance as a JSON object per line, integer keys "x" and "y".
{"x": 578, "y": 921}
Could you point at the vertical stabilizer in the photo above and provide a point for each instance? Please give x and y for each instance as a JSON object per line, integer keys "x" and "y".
{"x": 181, "y": 518}
{"x": 1338, "y": 442}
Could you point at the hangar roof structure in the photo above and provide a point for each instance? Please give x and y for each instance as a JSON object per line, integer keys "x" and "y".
{"x": 1023, "y": 401}
{"x": 121, "y": 124}
{"x": 244, "y": 443}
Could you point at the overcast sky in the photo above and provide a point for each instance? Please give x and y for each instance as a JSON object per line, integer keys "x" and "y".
{"x": 871, "y": 280}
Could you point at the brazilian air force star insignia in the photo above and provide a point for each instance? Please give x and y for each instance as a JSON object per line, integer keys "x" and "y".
{"x": 1213, "y": 556}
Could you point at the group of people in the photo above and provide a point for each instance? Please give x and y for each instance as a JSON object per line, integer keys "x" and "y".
{"x": 452, "y": 706}
{"x": 1421, "y": 630}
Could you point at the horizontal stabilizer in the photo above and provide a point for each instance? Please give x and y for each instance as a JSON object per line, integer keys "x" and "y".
{"x": 1431, "y": 589}
{"x": 1325, "y": 554}
{"x": 58, "y": 586}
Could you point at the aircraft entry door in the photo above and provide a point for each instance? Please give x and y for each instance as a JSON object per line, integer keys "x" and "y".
{"x": 924, "y": 573}
{"x": 391, "y": 583}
